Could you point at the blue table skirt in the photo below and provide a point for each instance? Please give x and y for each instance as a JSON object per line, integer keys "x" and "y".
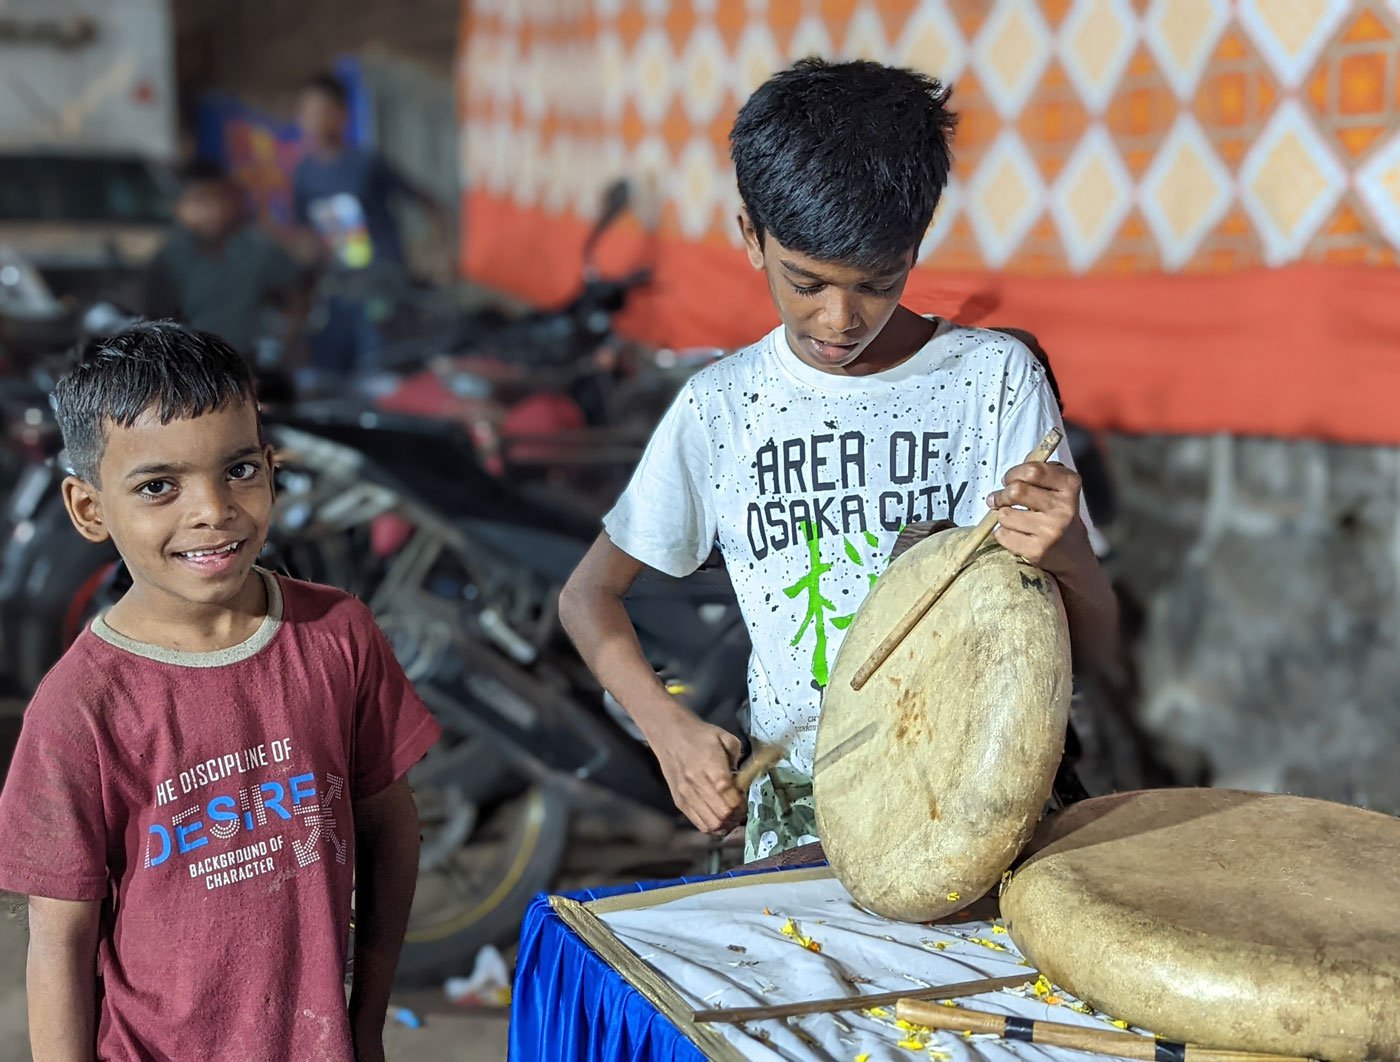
{"x": 569, "y": 1005}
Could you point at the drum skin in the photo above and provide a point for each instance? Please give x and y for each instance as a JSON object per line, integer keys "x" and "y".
{"x": 1229, "y": 919}
{"x": 930, "y": 779}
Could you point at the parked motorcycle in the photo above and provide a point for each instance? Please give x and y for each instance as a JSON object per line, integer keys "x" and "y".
{"x": 463, "y": 574}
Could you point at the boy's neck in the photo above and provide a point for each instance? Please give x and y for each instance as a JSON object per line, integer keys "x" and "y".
{"x": 151, "y": 615}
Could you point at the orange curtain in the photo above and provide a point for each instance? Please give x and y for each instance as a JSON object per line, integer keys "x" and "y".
{"x": 1194, "y": 203}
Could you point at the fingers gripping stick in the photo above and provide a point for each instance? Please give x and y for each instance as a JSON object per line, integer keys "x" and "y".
{"x": 974, "y": 542}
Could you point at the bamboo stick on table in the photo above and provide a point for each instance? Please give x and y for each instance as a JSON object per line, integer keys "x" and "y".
{"x": 1075, "y": 1037}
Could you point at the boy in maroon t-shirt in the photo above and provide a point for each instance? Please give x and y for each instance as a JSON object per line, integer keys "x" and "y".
{"x": 202, "y": 775}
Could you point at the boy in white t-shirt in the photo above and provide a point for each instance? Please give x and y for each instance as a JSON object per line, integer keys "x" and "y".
{"x": 805, "y": 454}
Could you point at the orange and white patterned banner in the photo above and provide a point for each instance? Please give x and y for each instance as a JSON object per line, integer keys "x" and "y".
{"x": 1196, "y": 203}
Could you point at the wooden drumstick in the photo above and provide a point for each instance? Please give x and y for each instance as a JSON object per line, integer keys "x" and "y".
{"x": 739, "y": 1015}
{"x": 970, "y": 546}
{"x": 764, "y": 757}
{"x": 1075, "y": 1037}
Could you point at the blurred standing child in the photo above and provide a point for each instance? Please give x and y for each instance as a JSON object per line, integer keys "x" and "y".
{"x": 222, "y": 275}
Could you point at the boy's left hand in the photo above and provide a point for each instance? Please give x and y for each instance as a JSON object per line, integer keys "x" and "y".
{"x": 369, "y": 1047}
{"x": 1047, "y": 531}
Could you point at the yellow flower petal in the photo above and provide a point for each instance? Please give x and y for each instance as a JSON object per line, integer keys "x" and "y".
{"x": 912, "y": 1045}
{"x": 955, "y": 896}
{"x": 998, "y": 929}
{"x": 877, "y": 1012}
{"x": 988, "y": 943}
{"x": 864, "y": 1056}
{"x": 1119, "y": 1022}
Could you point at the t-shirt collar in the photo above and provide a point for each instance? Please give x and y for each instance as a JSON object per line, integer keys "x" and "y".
{"x": 809, "y": 376}
{"x": 253, "y": 645}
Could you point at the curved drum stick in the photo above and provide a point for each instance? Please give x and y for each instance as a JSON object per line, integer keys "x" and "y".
{"x": 970, "y": 546}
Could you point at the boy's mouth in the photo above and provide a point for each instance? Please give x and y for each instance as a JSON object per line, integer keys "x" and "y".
{"x": 832, "y": 353}
{"x": 212, "y": 558}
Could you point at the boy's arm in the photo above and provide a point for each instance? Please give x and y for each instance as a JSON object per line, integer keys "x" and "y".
{"x": 61, "y": 979}
{"x": 697, "y": 759}
{"x": 1049, "y": 533}
{"x": 386, "y": 871}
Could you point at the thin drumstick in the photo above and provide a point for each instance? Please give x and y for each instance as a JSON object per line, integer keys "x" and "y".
{"x": 737, "y": 1015}
{"x": 970, "y": 546}
{"x": 1075, "y": 1037}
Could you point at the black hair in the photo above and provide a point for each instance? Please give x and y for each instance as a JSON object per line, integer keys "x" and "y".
{"x": 162, "y": 364}
{"x": 331, "y": 85}
{"x": 202, "y": 171}
{"x": 844, "y": 162}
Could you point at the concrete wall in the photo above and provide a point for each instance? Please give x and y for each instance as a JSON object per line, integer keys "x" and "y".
{"x": 1269, "y": 573}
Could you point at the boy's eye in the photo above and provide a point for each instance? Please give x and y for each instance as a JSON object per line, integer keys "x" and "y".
{"x": 887, "y": 289}
{"x": 156, "y": 488}
{"x": 244, "y": 470}
{"x": 810, "y": 289}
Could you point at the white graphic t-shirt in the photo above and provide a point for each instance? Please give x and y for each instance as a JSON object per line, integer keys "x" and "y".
{"x": 804, "y": 479}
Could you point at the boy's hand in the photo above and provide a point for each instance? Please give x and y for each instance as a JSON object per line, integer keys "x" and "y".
{"x": 698, "y": 761}
{"x": 1047, "y": 532}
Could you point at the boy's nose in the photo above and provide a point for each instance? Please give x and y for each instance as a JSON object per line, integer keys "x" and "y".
{"x": 211, "y": 505}
{"x": 841, "y": 313}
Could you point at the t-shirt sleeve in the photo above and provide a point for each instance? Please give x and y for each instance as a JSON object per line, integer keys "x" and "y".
{"x": 1030, "y": 414}
{"x": 666, "y": 518}
{"x": 393, "y": 730}
{"x": 53, "y": 834}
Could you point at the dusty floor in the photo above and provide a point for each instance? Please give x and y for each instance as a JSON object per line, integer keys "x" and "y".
{"x": 445, "y": 1034}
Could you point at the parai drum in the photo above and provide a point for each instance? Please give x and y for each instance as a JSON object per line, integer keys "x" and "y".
{"x": 1228, "y": 919}
{"x": 931, "y": 777}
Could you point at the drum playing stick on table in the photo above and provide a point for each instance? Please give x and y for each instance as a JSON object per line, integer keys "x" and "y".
{"x": 739, "y": 1015}
{"x": 960, "y": 561}
{"x": 1075, "y": 1037}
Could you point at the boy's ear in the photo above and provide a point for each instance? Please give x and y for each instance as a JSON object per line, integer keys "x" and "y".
{"x": 270, "y": 456}
{"x": 752, "y": 245}
{"x": 85, "y": 509}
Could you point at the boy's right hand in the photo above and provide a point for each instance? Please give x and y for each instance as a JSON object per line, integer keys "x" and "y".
{"x": 698, "y": 761}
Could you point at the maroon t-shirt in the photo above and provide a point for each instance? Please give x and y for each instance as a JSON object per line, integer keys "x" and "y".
{"x": 208, "y": 797}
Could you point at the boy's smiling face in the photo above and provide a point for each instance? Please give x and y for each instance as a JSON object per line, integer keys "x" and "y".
{"x": 186, "y": 503}
{"x": 831, "y": 312}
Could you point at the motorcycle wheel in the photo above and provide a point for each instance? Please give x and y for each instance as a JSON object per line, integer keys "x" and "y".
{"x": 66, "y": 585}
{"x": 476, "y": 894}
